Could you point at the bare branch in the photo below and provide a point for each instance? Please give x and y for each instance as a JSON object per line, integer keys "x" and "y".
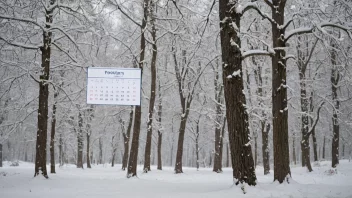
{"x": 306, "y": 30}
{"x": 31, "y": 47}
{"x": 124, "y": 13}
{"x": 316, "y": 120}
{"x": 254, "y": 6}
{"x": 22, "y": 20}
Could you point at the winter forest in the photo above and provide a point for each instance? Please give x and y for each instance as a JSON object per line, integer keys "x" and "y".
{"x": 242, "y": 92}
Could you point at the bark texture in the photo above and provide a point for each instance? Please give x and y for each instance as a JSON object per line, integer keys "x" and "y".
{"x": 335, "y": 77}
{"x": 126, "y": 140}
{"x": 217, "y": 167}
{"x": 40, "y": 156}
{"x": 80, "y": 141}
{"x": 160, "y": 134}
{"x": 52, "y": 135}
{"x": 282, "y": 170}
{"x": 133, "y": 158}
{"x": 148, "y": 144}
{"x": 236, "y": 114}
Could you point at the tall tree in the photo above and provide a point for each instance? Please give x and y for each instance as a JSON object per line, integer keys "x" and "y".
{"x": 335, "y": 78}
{"x": 160, "y": 132}
{"x": 148, "y": 144}
{"x": 133, "y": 159}
{"x": 80, "y": 140}
{"x": 40, "y": 157}
{"x": 236, "y": 114}
{"x": 52, "y": 134}
{"x": 219, "y": 121}
{"x": 126, "y": 140}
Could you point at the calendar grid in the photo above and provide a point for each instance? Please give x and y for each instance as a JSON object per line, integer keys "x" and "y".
{"x": 114, "y": 86}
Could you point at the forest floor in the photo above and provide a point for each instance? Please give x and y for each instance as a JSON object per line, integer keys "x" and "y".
{"x": 104, "y": 181}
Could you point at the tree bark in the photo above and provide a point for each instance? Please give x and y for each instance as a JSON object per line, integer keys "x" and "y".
{"x": 52, "y": 136}
{"x": 100, "y": 160}
{"x": 133, "y": 159}
{"x": 181, "y": 136}
{"x": 314, "y": 138}
{"x": 323, "y": 148}
{"x": 89, "y": 133}
{"x": 61, "y": 156}
{"x": 148, "y": 144}
{"x": 294, "y": 149}
{"x": 236, "y": 114}
{"x": 197, "y": 145}
{"x": 80, "y": 141}
{"x": 282, "y": 170}
{"x": 114, "y": 148}
{"x": 160, "y": 134}
{"x": 88, "y": 151}
{"x": 265, "y": 126}
{"x": 335, "y": 77}
{"x": 217, "y": 167}
{"x": 40, "y": 157}
{"x": 0, "y": 155}
{"x": 126, "y": 140}
{"x": 227, "y": 155}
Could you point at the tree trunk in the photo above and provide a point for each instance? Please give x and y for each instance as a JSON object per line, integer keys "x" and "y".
{"x": 89, "y": 133}
{"x": 160, "y": 139}
{"x": 61, "y": 156}
{"x": 181, "y": 136}
{"x": 133, "y": 159}
{"x": 255, "y": 151}
{"x": 236, "y": 114}
{"x": 52, "y": 136}
{"x": 100, "y": 160}
{"x": 113, "y": 157}
{"x": 294, "y": 149}
{"x": 282, "y": 170}
{"x": 218, "y": 155}
{"x": 160, "y": 134}
{"x": 227, "y": 155}
{"x": 88, "y": 151}
{"x": 323, "y": 148}
{"x": 126, "y": 140}
{"x": 314, "y": 138}
{"x": 0, "y": 155}
{"x": 197, "y": 149}
{"x": 335, "y": 77}
{"x": 218, "y": 126}
{"x": 80, "y": 141}
{"x": 148, "y": 144}
{"x": 343, "y": 151}
{"x": 265, "y": 147}
{"x": 40, "y": 157}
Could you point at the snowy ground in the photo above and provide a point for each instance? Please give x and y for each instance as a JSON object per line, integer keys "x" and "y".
{"x": 107, "y": 182}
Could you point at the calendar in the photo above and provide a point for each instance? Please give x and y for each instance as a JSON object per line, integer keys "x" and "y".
{"x": 114, "y": 86}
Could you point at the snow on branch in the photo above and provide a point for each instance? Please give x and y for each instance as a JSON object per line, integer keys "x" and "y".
{"x": 124, "y": 13}
{"x": 250, "y": 53}
{"x": 312, "y": 128}
{"x": 21, "y": 20}
{"x": 32, "y": 47}
{"x": 305, "y": 30}
{"x": 253, "y": 5}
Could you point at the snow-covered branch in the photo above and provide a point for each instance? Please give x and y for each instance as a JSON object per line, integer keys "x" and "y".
{"x": 254, "y": 6}
{"x": 312, "y": 128}
{"x": 31, "y": 47}
{"x": 22, "y": 20}
{"x": 305, "y": 30}
{"x": 250, "y": 53}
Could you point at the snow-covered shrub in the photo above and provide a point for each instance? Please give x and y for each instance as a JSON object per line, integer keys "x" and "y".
{"x": 331, "y": 172}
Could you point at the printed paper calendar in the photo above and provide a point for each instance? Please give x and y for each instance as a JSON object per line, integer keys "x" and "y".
{"x": 117, "y": 86}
